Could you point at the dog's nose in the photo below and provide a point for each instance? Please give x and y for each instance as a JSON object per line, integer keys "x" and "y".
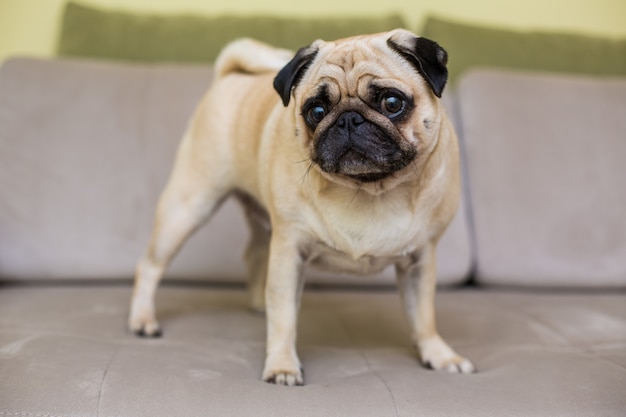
{"x": 350, "y": 119}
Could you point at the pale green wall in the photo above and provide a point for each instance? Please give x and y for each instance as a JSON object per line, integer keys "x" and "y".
{"x": 29, "y": 27}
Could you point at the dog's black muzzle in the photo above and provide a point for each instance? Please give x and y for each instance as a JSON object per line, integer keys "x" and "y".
{"x": 355, "y": 147}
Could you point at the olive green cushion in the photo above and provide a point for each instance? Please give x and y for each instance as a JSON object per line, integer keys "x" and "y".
{"x": 96, "y": 33}
{"x": 477, "y": 46}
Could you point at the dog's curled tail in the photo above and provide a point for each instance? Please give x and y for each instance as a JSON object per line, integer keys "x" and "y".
{"x": 250, "y": 56}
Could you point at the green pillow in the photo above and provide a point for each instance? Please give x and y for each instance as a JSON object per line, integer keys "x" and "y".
{"x": 475, "y": 46}
{"x": 89, "y": 32}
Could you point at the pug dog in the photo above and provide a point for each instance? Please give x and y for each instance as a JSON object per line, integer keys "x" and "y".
{"x": 344, "y": 159}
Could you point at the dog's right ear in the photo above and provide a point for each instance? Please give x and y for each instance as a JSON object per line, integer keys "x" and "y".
{"x": 288, "y": 77}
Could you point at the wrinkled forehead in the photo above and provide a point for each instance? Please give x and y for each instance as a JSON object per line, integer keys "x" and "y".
{"x": 351, "y": 67}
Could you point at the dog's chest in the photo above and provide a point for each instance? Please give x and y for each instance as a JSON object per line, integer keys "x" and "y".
{"x": 365, "y": 238}
{"x": 328, "y": 259}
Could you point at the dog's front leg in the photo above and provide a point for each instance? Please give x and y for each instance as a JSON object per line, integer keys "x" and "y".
{"x": 417, "y": 284}
{"x": 282, "y": 298}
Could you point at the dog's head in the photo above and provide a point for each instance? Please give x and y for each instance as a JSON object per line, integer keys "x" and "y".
{"x": 366, "y": 107}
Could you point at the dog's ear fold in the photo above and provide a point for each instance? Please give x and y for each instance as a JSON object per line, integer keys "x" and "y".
{"x": 288, "y": 77}
{"x": 428, "y": 58}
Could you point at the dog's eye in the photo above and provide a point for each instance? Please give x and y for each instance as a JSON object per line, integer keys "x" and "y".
{"x": 392, "y": 105}
{"x": 315, "y": 114}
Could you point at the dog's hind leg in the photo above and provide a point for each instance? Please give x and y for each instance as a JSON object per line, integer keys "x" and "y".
{"x": 191, "y": 196}
{"x": 257, "y": 256}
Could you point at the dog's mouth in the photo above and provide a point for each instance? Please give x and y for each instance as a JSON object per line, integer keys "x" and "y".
{"x": 361, "y": 150}
{"x": 361, "y": 167}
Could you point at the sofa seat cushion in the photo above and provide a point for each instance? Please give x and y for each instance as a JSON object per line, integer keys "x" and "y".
{"x": 545, "y": 155}
{"x": 538, "y": 354}
{"x": 85, "y": 149}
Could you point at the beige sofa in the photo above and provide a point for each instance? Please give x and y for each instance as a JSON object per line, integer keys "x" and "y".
{"x": 532, "y": 271}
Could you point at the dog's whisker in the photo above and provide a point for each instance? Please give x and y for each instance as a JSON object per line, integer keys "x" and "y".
{"x": 415, "y": 171}
{"x": 306, "y": 173}
{"x": 358, "y": 190}
{"x": 307, "y": 176}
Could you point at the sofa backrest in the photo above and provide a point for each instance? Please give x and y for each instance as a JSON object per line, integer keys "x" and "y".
{"x": 546, "y": 159}
{"x": 472, "y": 46}
{"x": 85, "y": 149}
{"x": 94, "y": 32}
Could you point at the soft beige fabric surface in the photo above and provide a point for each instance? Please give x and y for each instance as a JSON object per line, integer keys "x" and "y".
{"x": 85, "y": 149}
{"x": 65, "y": 352}
{"x": 547, "y": 174}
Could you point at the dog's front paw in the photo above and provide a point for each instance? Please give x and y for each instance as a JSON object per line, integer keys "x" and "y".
{"x": 289, "y": 379}
{"x": 283, "y": 371}
{"x": 437, "y": 355}
{"x": 143, "y": 322}
{"x": 144, "y": 327}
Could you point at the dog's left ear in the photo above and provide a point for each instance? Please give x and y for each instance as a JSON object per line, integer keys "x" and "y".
{"x": 428, "y": 58}
{"x": 288, "y": 77}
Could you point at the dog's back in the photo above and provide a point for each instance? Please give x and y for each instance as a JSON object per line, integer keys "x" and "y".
{"x": 226, "y": 130}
